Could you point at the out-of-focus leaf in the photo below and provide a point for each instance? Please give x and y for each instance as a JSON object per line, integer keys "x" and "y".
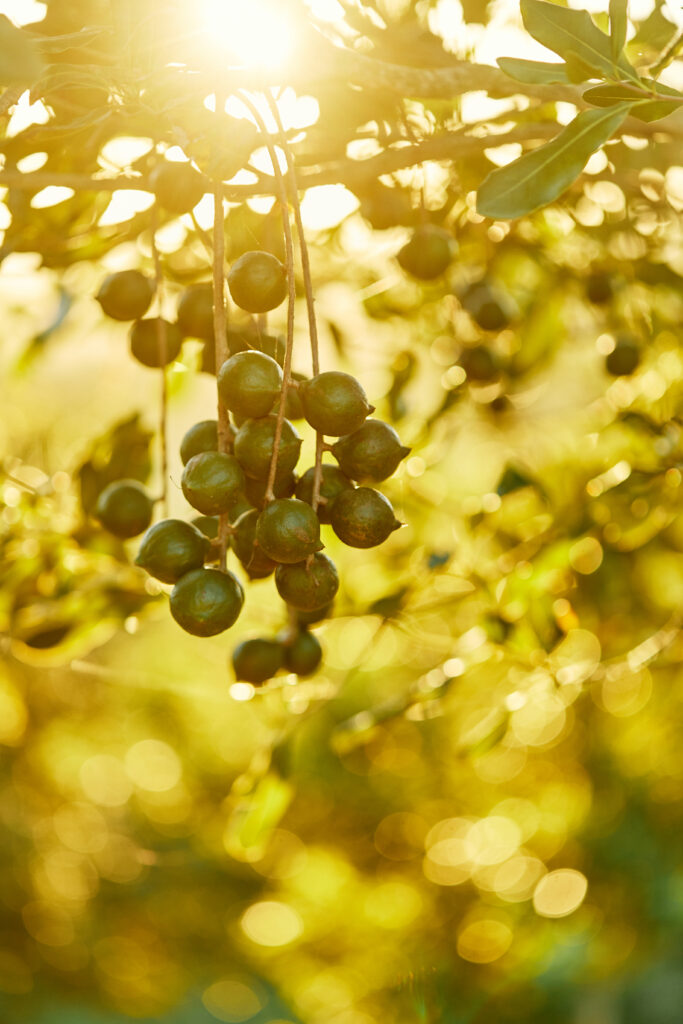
{"x": 38, "y": 342}
{"x": 512, "y": 480}
{"x": 540, "y": 177}
{"x": 257, "y": 815}
{"x": 391, "y": 606}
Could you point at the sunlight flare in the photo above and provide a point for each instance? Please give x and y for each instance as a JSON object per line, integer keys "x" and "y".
{"x": 256, "y": 35}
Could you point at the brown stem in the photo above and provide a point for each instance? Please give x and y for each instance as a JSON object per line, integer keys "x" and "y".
{"x": 289, "y": 255}
{"x": 162, "y": 349}
{"x": 450, "y": 146}
{"x": 308, "y": 284}
{"x": 220, "y": 346}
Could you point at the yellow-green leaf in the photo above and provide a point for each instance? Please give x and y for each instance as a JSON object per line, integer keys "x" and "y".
{"x": 618, "y": 24}
{"x": 540, "y": 177}
{"x": 567, "y": 31}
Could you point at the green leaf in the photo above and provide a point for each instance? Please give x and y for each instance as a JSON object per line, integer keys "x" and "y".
{"x": 618, "y": 24}
{"x": 654, "y": 110}
{"x": 540, "y": 177}
{"x": 573, "y": 32}
{"x": 608, "y": 95}
{"x": 19, "y": 60}
{"x": 533, "y": 72}
{"x": 646, "y": 107}
{"x": 577, "y": 68}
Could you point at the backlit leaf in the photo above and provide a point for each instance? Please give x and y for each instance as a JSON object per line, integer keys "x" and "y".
{"x": 566, "y": 31}
{"x": 540, "y": 177}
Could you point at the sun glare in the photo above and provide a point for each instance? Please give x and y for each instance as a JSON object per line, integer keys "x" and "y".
{"x": 256, "y": 34}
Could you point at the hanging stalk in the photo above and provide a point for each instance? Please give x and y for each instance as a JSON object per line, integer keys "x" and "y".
{"x": 308, "y": 284}
{"x": 289, "y": 259}
{"x": 220, "y": 348}
{"x": 162, "y": 348}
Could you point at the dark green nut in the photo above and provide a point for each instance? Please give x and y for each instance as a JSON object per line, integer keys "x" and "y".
{"x": 171, "y": 548}
{"x": 126, "y": 295}
{"x": 248, "y": 338}
{"x": 243, "y": 543}
{"x": 303, "y": 653}
{"x": 332, "y": 483}
{"x": 363, "y": 518}
{"x": 308, "y": 588}
{"x": 177, "y": 186}
{"x": 371, "y": 453}
{"x": 624, "y": 358}
{"x": 195, "y": 312}
{"x": 293, "y": 407}
{"x": 146, "y": 346}
{"x": 239, "y": 507}
{"x": 317, "y": 615}
{"x": 208, "y": 525}
{"x": 386, "y": 207}
{"x": 273, "y": 345}
{"x": 283, "y": 487}
{"x": 207, "y": 358}
{"x": 479, "y": 363}
{"x": 202, "y": 437}
{"x": 257, "y": 282}
{"x": 254, "y": 447}
{"x": 490, "y": 308}
{"x": 124, "y": 508}
{"x": 429, "y": 252}
{"x": 206, "y": 602}
{"x": 334, "y": 403}
{"x": 249, "y": 383}
{"x": 212, "y": 482}
{"x": 255, "y": 661}
{"x": 288, "y": 530}
{"x": 599, "y": 287}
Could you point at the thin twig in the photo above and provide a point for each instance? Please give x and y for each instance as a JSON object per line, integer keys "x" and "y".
{"x": 220, "y": 346}
{"x": 162, "y": 349}
{"x": 289, "y": 254}
{"x": 308, "y": 284}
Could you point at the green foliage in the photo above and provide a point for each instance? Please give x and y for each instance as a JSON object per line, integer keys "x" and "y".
{"x": 452, "y": 795}
{"x": 543, "y": 175}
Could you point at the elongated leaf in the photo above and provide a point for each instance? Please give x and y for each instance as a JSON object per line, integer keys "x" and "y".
{"x": 577, "y": 68}
{"x": 566, "y": 31}
{"x": 539, "y": 178}
{"x": 654, "y": 110}
{"x": 618, "y": 24}
{"x": 646, "y": 108}
{"x": 608, "y": 95}
{"x": 19, "y": 60}
{"x": 533, "y": 72}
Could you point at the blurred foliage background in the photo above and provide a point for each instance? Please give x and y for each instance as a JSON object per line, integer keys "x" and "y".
{"x": 473, "y": 811}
